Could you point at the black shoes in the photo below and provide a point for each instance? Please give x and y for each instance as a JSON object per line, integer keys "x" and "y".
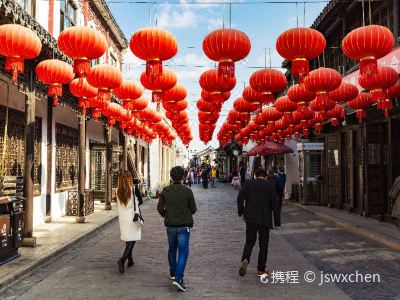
{"x": 180, "y": 286}
{"x": 243, "y": 267}
{"x": 171, "y": 276}
{"x": 130, "y": 262}
{"x": 121, "y": 267}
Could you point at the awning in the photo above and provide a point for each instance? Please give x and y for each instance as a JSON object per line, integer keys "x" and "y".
{"x": 269, "y": 148}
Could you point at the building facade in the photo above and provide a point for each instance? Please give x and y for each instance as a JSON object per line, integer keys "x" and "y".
{"x": 359, "y": 162}
{"x": 45, "y": 148}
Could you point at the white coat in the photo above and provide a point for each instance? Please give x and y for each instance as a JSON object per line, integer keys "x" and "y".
{"x": 130, "y": 231}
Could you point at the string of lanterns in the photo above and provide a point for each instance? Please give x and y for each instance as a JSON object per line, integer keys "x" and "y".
{"x": 95, "y": 85}
{"x": 318, "y": 96}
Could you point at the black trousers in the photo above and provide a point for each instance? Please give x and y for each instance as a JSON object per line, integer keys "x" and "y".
{"x": 251, "y": 238}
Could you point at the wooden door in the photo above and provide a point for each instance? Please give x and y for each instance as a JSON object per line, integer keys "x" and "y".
{"x": 348, "y": 199}
{"x": 333, "y": 179}
{"x": 375, "y": 170}
{"x": 359, "y": 179}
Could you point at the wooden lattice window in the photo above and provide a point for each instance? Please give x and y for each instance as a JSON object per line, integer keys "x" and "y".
{"x": 98, "y": 169}
{"x": 66, "y": 157}
{"x": 15, "y": 150}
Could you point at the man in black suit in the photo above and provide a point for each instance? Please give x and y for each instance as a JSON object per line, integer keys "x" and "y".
{"x": 257, "y": 205}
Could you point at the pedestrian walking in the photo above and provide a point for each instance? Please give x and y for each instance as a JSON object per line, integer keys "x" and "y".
{"x": 235, "y": 180}
{"x": 257, "y": 205}
{"x": 204, "y": 177}
{"x": 213, "y": 177}
{"x": 190, "y": 177}
{"x": 198, "y": 175}
{"x": 128, "y": 209}
{"x": 242, "y": 173}
{"x": 177, "y": 205}
{"x": 281, "y": 182}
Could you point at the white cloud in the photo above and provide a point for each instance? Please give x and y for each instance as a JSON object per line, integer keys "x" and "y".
{"x": 174, "y": 17}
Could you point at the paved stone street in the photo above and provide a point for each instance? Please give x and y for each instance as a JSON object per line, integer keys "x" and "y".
{"x": 88, "y": 270}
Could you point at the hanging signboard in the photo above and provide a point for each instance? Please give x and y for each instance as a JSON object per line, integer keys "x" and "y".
{"x": 310, "y": 146}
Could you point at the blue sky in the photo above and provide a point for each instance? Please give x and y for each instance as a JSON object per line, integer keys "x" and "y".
{"x": 190, "y": 23}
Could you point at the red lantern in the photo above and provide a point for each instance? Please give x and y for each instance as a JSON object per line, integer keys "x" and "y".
{"x": 345, "y": 92}
{"x": 55, "y": 73}
{"x": 300, "y": 94}
{"x": 175, "y": 107}
{"x": 158, "y": 85}
{"x": 394, "y": 91}
{"x": 128, "y": 91}
{"x": 136, "y": 105}
{"x": 124, "y": 118}
{"x": 244, "y": 106}
{"x": 268, "y": 82}
{"x": 97, "y": 106}
{"x": 304, "y": 114}
{"x": 226, "y": 46}
{"x": 211, "y": 82}
{"x": 254, "y": 97}
{"x": 367, "y": 44}
{"x": 300, "y": 45}
{"x": 18, "y": 43}
{"x": 208, "y": 106}
{"x": 215, "y": 97}
{"x": 84, "y": 91}
{"x": 105, "y": 77}
{"x": 335, "y": 114}
{"x": 206, "y": 117}
{"x": 377, "y": 83}
{"x": 82, "y": 44}
{"x": 176, "y": 94}
{"x": 237, "y": 118}
{"x": 112, "y": 111}
{"x": 322, "y": 81}
{"x": 286, "y": 106}
{"x": 154, "y": 45}
{"x": 360, "y": 104}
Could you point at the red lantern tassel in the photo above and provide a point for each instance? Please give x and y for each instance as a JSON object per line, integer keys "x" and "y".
{"x": 300, "y": 68}
{"x": 111, "y": 121}
{"x": 378, "y": 95}
{"x": 318, "y": 127}
{"x": 156, "y": 97}
{"x": 96, "y": 113}
{"x": 360, "y": 114}
{"x": 81, "y": 67}
{"x": 14, "y": 65}
{"x": 55, "y": 91}
{"x": 297, "y": 135}
{"x": 386, "y": 105}
{"x": 334, "y": 122}
{"x": 269, "y": 98}
{"x": 105, "y": 95}
{"x": 368, "y": 66}
{"x": 306, "y": 132}
{"x": 154, "y": 68}
{"x": 226, "y": 69}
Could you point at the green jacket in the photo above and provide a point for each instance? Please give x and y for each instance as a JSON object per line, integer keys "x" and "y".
{"x": 177, "y": 205}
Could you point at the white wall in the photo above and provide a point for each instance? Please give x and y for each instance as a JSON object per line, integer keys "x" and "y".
{"x": 154, "y": 165}
{"x": 291, "y": 167}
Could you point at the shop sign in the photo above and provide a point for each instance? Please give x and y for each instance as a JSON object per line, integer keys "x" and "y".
{"x": 310, "y": 146}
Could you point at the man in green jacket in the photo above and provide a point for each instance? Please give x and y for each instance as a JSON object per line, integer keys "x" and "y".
{"x": 176, "y": 205}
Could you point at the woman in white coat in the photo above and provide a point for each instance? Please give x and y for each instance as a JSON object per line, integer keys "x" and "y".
{"x": 130, "y": 231}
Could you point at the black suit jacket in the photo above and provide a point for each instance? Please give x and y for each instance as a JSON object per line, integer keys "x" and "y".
{"x": 258, "y": 202}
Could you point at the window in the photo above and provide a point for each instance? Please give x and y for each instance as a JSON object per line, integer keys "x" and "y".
{"x": 15, "y": 150}
{"x": 67, "y": 14}
{"x": 66, "y": 157}
{"x": 29, "y": 6}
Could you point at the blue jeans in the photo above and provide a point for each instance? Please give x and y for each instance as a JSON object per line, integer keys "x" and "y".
{"x": 178, "y": 239}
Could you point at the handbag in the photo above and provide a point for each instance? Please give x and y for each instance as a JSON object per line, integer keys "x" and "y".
{"x": 137, "y": 218}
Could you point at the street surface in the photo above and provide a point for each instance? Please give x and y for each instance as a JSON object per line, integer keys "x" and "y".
{"x": 303, "y": 246}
